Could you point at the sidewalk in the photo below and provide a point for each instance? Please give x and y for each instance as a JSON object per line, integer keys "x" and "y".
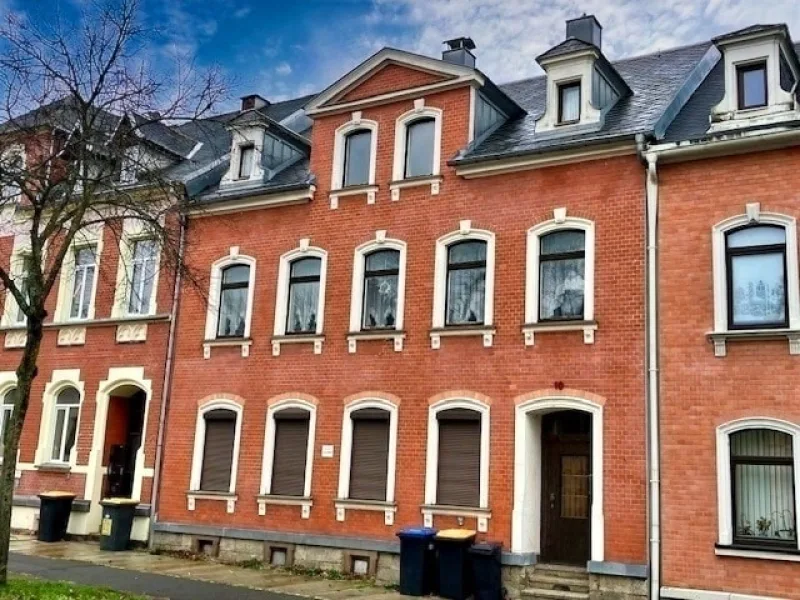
{"x": 162, "y": 576}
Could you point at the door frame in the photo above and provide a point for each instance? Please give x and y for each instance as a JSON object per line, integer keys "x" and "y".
{"x": 526, "y": 521}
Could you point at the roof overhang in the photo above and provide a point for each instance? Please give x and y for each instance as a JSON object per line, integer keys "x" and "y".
{"x": 287, "y": 197}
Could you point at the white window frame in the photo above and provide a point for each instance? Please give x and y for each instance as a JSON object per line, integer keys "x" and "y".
{"x": 215, "y": 285}
{"x": 65, "y": 408}
{"x": 420, "y": 111}
{"x": 133, "y": 232}
{"x": 465, "y": 233}
{"x": 346, "y": 453}
{"x": 725, "y": 518}
{"x": 6, "y": 410}
{"x": 432, "y": 454}
{"x": 8, "y": 154}
{"x": 83, "y": 239}
{"x": 200, "y": 442}
{"x": 304, "y": 250}
{"x": 355, "y": 123}
{"x": 754, "y": 216}
{"x": 559, "y": 222}
{"x": 381, "y": 242}
{"x": 20, "y": 253}
{"x": 269, "y": 445}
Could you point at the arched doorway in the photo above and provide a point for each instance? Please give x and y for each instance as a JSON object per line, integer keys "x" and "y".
{"x": 124, "y": 431}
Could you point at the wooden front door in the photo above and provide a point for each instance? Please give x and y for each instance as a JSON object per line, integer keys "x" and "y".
{"x": 566, "y": 487}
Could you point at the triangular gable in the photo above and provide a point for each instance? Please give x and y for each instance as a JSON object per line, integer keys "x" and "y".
{"x": 388, "y": 74}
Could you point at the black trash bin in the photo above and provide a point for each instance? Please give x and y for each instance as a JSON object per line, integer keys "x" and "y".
{"x": 417, "y": 561}
{"x": 485, "y": 559}
{"x": 455, "y": 577}
{"x": 115, "y": 530}
{"x": 54, "y": 511}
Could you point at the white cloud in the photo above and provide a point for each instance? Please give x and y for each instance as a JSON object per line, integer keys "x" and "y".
{"x": 241, "y": 13}
{"x": 283, "y": 69}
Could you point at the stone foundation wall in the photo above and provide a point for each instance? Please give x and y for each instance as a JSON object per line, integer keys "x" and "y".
{"x": 612, "y": 587}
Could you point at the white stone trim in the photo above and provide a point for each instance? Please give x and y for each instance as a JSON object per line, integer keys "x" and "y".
{"x": 432, "y": 454}
{"x": 482, "y": 516}
{"x": 356, "y": 123}
{"x": 559, "y": 222}
{"x": 753, "y": 215}
{"x": 526, "y": 516}
{"x": 22, "y": 249}
{"x": 759, "y": 554}
{"x": 692, "y": 594}
{"x": 133, "y": 230}
{"x": 245, "y": 136}
{"x": 381, "y": 242}
{"x": 420, "y": 111}
{"x": 564, "y": 70}
{"x": 215, "y": 284}
{"x": 200, "y": 441}
{"x": 725, "y": 519}
{"x": 304, "y": 250}
{"x": 464, "y": 233}
{"x": 345, "y": 455}
{"x": 59, "y": 380}
{"x": 269, "y": 444}
{"x": 88, "y": 237}
{"x": 8, "y": 381}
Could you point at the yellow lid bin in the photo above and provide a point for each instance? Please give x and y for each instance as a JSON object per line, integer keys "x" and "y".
{"x": 456, "y": 535}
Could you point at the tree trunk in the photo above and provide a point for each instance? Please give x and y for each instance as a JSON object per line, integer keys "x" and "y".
{"x": 26, "y": 372}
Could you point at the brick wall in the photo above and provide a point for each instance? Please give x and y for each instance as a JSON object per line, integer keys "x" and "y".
{"x": 701, "y": 392}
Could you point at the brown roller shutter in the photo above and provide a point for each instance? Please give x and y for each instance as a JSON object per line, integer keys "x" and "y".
{"x": 370, "y": 455}
{"x": 289, "y": 459}
{"x": 459, "y": 458}
{"x": 218, "y": 451}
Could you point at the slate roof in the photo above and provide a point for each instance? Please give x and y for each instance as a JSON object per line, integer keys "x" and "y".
{"x": 568, "y": 46}
{"x": 759, "y": 28}
{"x": 169, "y": 138}
{"x": 654, "y": 80}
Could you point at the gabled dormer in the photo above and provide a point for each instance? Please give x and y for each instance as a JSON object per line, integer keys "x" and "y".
{"x": 582, "y": 85}
{"x": 761, "y": 75}
{"x": 260, "y": 147}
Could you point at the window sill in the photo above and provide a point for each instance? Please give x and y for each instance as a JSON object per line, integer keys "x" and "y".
{"x": 588, "y": 327}
{"x": 481, "y": 514}
{"x": 315, "y": 339}
{"x": 760, "y": 552}
{"x": 53, "y": 467}
{"x": 487, "y": 332}
{"x": 434, "y": 181}
{"x": 388, "y": 509}
{"x": 244, "y": 343}
{"x": 229, "y": 498}
{"x": 720, "y": 338}
{"x": 395, "y": 335}
{"x": 304, "y": 502}
{"x": 370, "y": 191}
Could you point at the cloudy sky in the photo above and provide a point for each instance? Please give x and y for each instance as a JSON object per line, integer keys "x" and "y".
{"x": 281, "y": 48}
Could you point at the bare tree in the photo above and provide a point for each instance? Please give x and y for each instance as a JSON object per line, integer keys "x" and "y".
{"x": 81, "y": 105}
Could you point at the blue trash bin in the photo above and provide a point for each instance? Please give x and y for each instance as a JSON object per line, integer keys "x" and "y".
{"x": 417, "y": 561}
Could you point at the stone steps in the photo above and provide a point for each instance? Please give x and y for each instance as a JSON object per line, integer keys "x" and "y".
{"x": 544, "y": 594}
{"x": 546, "y": 581}
{"x": 557, "y": 582}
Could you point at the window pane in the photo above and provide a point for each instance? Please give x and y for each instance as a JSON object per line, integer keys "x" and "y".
{"x": 27, "y": 268}
{"x": 69, "y": 396}
{"x": 561, "y": 289}
{"x": 380, "y": 301}
{"x": 761, "y": 443}
{"x": 466, "y": 296}
{"x": 142, "y": 276}
{"x": 563, "y": 241}
{"x": 419, "y": 148}
{"x": 765, "y": 502}
{"x": 72, "y": 426}
{"x": 385, "y": 260}
{"x": 467, "y": 252}
{"x": 236, "y": 274}
{"x": 570, "y": 102}
{"x": 5, "y": 416}
{"x": 357, "y": 157}
{"x": 246, "y": 164}
{"x": 306, "y": 267}
{"x": 302, "y": 315}
{"x": 757, "y": 288}
{"x": 232, "y": 310}
{"x": 754, "y": 91}
{"x": 756, "y": 236}
{"x": 83, "y": 283}
{"x": 59, "y": 434}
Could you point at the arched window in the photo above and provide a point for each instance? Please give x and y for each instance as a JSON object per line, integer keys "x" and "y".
{"x": 762, "y": 487}
{"x": 65, "y": 424}
{"x": 218, "y": 450}
{"x": 755, "y": 261}
{"x": 420, "y": 140}
{"x": 466, "y": 283}
{"x": 458, "y": 479}
{"x": 233, "y": 297}
{"x": 369, "y": 454}
{"x": 357, "y": 148}
{"x": 381, "y": 275}
{"x": 289, "y": 453}
{"x": 6, "y": 410}
{"x": 562, "y": 257}
{"x": 304, "y": 280}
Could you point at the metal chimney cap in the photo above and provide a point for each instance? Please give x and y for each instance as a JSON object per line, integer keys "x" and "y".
{"x": 459, "y": 43}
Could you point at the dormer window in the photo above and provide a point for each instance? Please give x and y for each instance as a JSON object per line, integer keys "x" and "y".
{"x": 569, "y": 102}
{"x": 246, "y": 159}
{"x": 752, "y": 85}
{"x": 419, "y": 148}
{"x": 357, "y": 158}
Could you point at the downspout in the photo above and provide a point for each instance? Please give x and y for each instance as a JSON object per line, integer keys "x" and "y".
{"x": 165, "y": 390}
{"x": 653, "y": 421}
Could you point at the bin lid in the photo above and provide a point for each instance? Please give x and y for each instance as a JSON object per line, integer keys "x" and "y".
{"x": 56, "y": 494}
{"x": 417, "y": 532}
{"x": 486, "y": 548}
{"x": 456, "y": 535}
{"x": 118, "y": 502}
